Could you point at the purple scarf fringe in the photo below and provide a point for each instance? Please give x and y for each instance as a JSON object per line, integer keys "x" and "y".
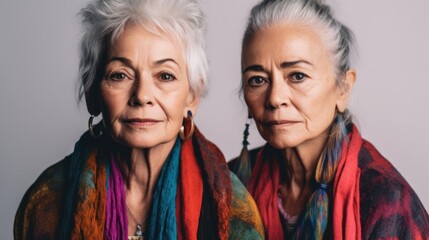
{"x": 116, "y": 211}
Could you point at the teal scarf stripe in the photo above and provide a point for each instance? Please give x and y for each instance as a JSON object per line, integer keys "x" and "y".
{"x": 78, "y": 158}
{"x": 163, "y": 223}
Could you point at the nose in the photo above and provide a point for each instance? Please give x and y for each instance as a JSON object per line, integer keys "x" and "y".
{"x": 278, "y": 93}
{"x": 142, "y": 92}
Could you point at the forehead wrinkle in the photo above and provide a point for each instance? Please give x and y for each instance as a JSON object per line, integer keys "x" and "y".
{"x": 123, "y": 60}
{"x": 166, "y": 61}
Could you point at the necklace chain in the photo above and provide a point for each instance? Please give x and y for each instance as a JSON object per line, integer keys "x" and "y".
{"x": 139, "y": 228}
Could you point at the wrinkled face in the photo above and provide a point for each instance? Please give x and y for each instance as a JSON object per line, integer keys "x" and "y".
{"x": 145, "y": 90}
{"x": 289, "y": 84}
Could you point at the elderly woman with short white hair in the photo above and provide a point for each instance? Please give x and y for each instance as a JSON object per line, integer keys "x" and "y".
{"x": 144, "y": 171}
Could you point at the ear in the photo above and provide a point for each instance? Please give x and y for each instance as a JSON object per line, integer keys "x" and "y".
{"x": 192, "y": 103}
{"x": 346, "y": 90}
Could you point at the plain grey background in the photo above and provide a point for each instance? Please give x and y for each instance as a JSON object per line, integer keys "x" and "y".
{"x": 40, "y": 119}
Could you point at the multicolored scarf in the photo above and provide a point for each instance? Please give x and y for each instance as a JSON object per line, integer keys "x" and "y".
{"x": 83, "y": 197}
{"x": 264, "y": 184}
{"x": 97, "y": 188}
{"x": 162, "y": 217}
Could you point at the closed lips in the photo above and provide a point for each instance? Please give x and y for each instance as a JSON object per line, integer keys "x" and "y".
{"x": 141, "y": 122}
{"x": 279, "y": 122}
{"x": 130, "y": 120}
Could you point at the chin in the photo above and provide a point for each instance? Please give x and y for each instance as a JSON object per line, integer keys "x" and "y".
{"x": 140, "y": 144}
{"x": 143, "y": 140}
{"x": 282, "y": 142}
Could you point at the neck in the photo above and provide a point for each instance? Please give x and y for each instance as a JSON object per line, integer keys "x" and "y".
{"x": 297, "y": 173}
{"x": 300, "y": 162}
{"x": 141, "y": 169}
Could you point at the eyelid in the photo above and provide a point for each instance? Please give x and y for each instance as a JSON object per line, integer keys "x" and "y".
{"x": 159, "y": 75}
{"x": 251, "y": 78}
{"x": 293, "y": 74}
{"x": 109, "y": 76}
{"x": 254, "y": 73}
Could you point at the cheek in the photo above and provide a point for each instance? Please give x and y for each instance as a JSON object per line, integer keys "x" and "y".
{"x": 175, "y": 115}
{"x": 174, "y": 106}
{"x": 320, "y": 111}
{"x": 254, "y": 102}
{"x": 113, "y": 103}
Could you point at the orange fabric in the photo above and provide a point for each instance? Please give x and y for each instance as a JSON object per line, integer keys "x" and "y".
{"x": 189, "y": 193}
{"x": 90, "y": 212}
{"x": 31, "y": 218}
{"x": 346, "y": 215}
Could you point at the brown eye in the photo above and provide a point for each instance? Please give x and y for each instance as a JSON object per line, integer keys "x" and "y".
{"x": 167, "y": 77}
{"x": 256, "y": 81}
{"x": 298, "y": 77}
{"x": 118, "y": 76}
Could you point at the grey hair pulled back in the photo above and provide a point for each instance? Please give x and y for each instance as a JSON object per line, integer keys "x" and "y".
{"x": 339, "y": 41}
{"x": 338, "y": 38}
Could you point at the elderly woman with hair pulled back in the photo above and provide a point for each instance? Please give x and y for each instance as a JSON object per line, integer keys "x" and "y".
{"x": 144, "y": 171}
{"x": 315, "y": 178}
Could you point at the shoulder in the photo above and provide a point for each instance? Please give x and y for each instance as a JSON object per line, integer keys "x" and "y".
{"x": 252, "y": 154}
{"x": 388, "y": 204}
{"x": 39, "y": 209}
{"x": 379, "y": 176}
{"x": 245, "y": 220}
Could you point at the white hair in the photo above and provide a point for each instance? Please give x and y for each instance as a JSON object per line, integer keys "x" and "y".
{"x": 104, "y": 20}
{"x": 338, "y": 39}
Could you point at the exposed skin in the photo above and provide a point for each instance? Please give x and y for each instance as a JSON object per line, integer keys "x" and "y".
{"x": 145, "y": 96}
{"x": 290, "y": 89}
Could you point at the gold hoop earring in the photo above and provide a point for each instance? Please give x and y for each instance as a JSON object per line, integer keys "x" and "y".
{"x": 187, "y": 121}
{"x": 92, "y": 129}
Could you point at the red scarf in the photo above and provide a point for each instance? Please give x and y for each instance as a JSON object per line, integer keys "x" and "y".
{"x": 189, "y": 193}
{"x": 190, "y": 186}
{"x": 264, "y": 184}
{"x": 346, "y": 213}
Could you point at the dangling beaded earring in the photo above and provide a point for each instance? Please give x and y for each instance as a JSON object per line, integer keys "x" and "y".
{"x": 243, "y": 168}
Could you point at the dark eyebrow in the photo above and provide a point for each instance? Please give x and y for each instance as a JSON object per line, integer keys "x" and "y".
{"x": 290, "y": 64}
{"x": 259, "y": 68}
{"x": 159, "y": 62}
{"x": 256, "y": 68}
